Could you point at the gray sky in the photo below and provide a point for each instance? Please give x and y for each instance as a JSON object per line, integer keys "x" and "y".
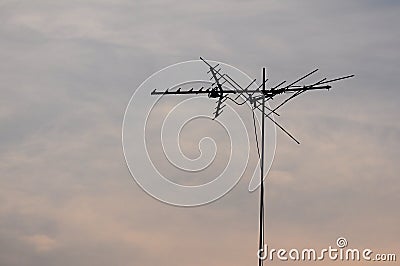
{"x": 68, "y": 71}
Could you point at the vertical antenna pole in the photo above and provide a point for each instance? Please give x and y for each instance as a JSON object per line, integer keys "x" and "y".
{"x": 261, "y": 240}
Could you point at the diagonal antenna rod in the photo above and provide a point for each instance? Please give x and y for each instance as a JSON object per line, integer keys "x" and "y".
{"x": 296, "y": 94}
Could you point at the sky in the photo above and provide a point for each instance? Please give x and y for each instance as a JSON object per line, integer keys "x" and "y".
{"x": 69, "y": 68}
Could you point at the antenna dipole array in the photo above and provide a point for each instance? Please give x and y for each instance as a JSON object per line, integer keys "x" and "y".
{"x": 219, "y": 89}
{"x": 224, "y": 86}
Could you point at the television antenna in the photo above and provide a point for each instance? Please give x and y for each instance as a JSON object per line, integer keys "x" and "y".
{"x": 224, "y": 88}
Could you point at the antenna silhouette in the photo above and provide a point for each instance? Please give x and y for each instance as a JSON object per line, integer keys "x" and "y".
{"x": 257, "y": 99}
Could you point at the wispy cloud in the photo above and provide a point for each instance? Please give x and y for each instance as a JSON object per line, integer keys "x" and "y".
{"x": 69, "y": 68}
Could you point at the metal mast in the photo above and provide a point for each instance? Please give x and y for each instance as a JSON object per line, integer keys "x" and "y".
{"x": 261, "y": 240}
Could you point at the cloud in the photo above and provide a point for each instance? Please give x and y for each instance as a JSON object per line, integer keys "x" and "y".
{"x": 42, "y": 243}
{"x": 69, "y": 69}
